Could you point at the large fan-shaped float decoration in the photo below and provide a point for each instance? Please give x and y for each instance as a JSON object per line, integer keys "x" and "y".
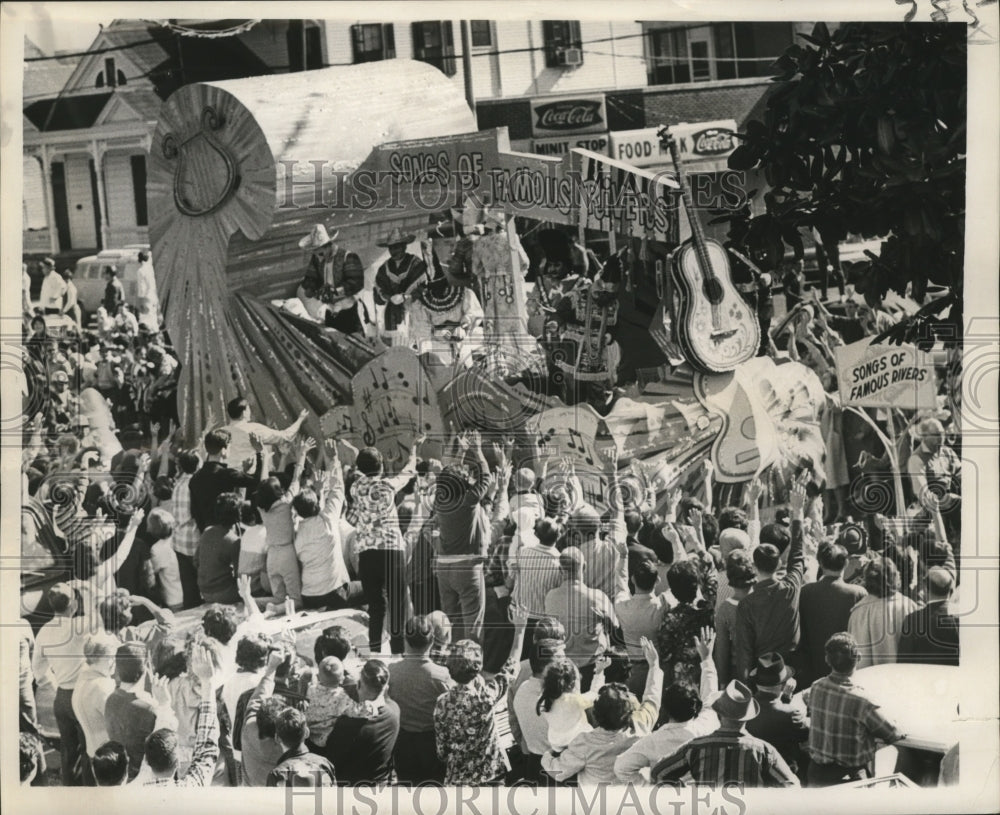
{"x": 224, "y": 228}
{"x": 225, "y": 233}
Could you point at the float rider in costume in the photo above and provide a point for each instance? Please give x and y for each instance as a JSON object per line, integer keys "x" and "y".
{"x": 395, "y": 281}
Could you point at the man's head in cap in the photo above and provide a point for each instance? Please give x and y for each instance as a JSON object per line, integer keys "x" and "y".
{"x": 853, "y": 538}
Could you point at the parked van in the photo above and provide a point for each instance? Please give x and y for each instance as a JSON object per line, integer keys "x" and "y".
{"x": 89, "y": 275}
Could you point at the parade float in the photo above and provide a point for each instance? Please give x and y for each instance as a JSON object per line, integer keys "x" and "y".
{"x": 241, "y": 170}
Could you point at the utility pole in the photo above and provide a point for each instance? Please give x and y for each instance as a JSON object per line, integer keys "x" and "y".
{"x": 470, "y": 94}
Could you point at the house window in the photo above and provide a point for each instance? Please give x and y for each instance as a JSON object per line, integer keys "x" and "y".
{"x": 373, "y": 42}
{"x": 560, "y": 37}
{"x": 305, "y": 50}
{"x": 434, "y": 43}
{"x": 482, "y": 33}
{"x": 110, "y": 77}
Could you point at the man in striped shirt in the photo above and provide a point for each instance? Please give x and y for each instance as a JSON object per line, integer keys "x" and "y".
{"x": 537, "y": 571}
{"x": 186, "y": 532}
{"x": 730, "y": 755}
{"x": 845, "y": 722}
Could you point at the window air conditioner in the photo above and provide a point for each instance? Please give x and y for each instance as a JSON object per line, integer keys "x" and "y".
{"x": 570, "y": 57}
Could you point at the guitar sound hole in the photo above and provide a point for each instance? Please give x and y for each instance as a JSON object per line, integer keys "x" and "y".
{"x": 713, "y": 290}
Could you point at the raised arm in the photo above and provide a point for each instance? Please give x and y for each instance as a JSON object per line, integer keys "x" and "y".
{"x": 644, "y": 719}
{"x": 796, "y": 556}
{"x": 163, "y": 616}
{"x": 754, "y": 492}
{"x": 114, "y": 563}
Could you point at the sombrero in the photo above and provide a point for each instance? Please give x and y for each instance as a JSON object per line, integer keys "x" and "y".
{"x": 317, "y": 238}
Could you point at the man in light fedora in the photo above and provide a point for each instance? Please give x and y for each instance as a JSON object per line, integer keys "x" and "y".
{"x": 397, "y": 278}
{"x": 730, "y": 755}
{"x": 783, "y": 721}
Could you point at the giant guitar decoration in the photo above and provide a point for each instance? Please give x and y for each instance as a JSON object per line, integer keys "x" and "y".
{"x": 715, "y": 328}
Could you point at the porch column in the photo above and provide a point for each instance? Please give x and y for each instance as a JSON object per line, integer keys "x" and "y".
{"x": 50, "y": 209}
{"x": 97, "y": 150}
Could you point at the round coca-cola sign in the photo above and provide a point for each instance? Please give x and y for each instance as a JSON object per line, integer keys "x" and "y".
{"x": 713, "y": 141}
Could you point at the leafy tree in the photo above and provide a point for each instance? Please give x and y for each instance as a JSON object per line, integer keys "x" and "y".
{"x": 864, "y": 133}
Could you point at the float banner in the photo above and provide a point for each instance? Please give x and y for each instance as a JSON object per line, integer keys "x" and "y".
{"x": 618, "y": 197}
{"x": 885, "y": 376}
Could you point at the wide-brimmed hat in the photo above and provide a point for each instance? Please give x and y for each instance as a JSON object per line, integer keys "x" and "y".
{"x": 736, "y": 703}
{"x": 853, "y": 538}
{"x": 317, "y": 238}
{"x": 49, "y": 263}
{"x": 395, "y": 238}
{"x": 770, "y": 670}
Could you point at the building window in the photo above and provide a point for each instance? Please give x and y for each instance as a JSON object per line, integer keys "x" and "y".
{"x": 434, "y": 43}
{"x": 373, "y": 42}
{"x": 305, "y": 49}
{"x": 563, "y": 45}
{"x": 139, "y": 190}
{"x": 703, "y": 53}
{"x": 110, "y": 77}
{"x": 482, "y": 33}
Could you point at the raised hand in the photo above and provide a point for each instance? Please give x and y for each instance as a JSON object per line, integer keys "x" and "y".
{"x": 303, "y": 413}
{"x": 256, "y": 443}
{"x": 694, "y": 517}
{"x": 144, "y": 461}
{"x": 136, "y": 519}
{"x": 519, "y": 616}
{"x": 274, "y": 658}
{"x": 754, "y": 490}
{"x": 649, "y": 651}
{"x": 160, "y": 690}
{"x": 611, "y": 453}
{"x": 463, "y": 441}
{"x": 602, "y": 663}
{"x": 797, "y": 499}
{"x": 243, "y": 584}
{"x": 705, "y": 643}
{"x": 477, "y": 440}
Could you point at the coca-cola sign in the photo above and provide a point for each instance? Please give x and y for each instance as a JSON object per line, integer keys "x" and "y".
{"x": 578, "y": 115}
{"x": 713, "y": 141}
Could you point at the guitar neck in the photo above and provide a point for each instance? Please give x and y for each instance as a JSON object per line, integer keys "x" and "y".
{"x": 697, "y": 233}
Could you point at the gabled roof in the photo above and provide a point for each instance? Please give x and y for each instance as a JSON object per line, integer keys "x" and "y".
{"x": 67, "y": 112}
{"x": 46, "y": 77}
{"x": 137, "y": 105}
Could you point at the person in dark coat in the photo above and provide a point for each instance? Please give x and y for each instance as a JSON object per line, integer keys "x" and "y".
{"x": 930, "y": 634}
{"x": 824, "y": 608}
{"x": 783, "y": 721}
